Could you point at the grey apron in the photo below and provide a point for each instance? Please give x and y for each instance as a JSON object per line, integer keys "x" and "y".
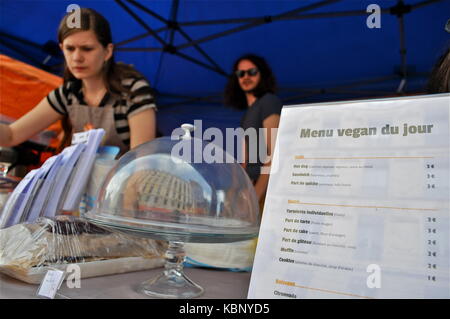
{"x": 98, "y": 117}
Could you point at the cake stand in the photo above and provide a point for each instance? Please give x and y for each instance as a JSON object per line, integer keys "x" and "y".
{"x": 157, "y": 191}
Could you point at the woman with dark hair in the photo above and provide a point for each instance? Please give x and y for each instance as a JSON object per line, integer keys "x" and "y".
{"x": 236, "y": 96}
{"x": 251, "y": 87}
{"x": 97, "y": 92}
{"x": 439, "y": 81}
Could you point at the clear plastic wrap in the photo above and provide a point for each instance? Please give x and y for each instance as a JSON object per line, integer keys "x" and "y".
{"x": 27, "y": 250}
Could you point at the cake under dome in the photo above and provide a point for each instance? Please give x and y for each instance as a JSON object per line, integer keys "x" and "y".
{"x": 170, "y": 189}
{"x": 151, "y": 190}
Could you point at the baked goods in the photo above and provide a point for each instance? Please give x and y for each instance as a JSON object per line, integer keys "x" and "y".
{"x": 66, "y": 239}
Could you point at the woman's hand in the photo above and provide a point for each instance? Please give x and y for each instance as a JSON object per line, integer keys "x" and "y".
{"x": 32, "y": 123}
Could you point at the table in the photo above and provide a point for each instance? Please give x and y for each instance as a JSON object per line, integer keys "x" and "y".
{"x": 218, "y": 284}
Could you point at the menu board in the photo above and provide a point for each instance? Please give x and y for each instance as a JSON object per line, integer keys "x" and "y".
{"x": 358, "y": 202}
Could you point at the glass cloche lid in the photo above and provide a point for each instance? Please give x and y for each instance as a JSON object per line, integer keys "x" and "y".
{"x": 181, "y": 189}
{"x": 178, "y": 190}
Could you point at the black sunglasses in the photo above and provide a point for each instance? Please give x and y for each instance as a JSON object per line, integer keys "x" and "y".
{"x": 250, "y": 72}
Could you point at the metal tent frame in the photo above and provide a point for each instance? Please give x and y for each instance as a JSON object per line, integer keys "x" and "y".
{"x": 173, "y": 26}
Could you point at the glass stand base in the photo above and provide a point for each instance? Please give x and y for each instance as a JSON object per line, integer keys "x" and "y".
{"x": 171, "y": 284}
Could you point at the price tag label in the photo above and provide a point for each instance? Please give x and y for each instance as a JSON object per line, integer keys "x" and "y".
{"x": 81, "y": 137}
{"x": 51, "y": 283}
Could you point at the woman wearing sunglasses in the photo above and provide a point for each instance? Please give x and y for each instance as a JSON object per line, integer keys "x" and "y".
{"x": 251, "y": 87}
{"x": 97, "y": 92}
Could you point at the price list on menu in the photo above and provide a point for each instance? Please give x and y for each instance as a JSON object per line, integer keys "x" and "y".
{"x": 358, "y": 202}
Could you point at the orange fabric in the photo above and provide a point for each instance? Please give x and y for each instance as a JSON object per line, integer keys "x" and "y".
{"x": 22, "y": 87}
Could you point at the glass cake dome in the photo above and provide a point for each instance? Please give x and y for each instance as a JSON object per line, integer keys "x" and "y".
{"x": 178, "y": 190}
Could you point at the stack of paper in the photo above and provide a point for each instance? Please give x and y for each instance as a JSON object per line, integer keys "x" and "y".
{"x": 58, "y": 184}
{"x": 12, "y": 211}
{"x": 82, "y": 170}
{"x": 46, "y": 178}
{"x": 69, "y": 158}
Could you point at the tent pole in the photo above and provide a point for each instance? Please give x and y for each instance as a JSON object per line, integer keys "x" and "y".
{"x": 140, "y": 49}
{"x": 184, "y": 56}
{"x": 400, "y": 10}
{"x": 290, "y": 17}
{"x": 141, "y": 36}
{"x": 173, "y": 18}
{"x": 142, "y": 23}
{"x": 202, "y": 52}
{"x": 172, "y": 25}
{"x": 27, "y": 42}
{"x": 253, "y": 20}
{"x": 298, "y": 17}
{"x": 21, "y": 52}
{"x": 424, "y": 3}
{"x": 402, "y": 49}
{"x": 148, "y": 11}
{"x": 294, "y": 17}
{"x": 259, "y": 22}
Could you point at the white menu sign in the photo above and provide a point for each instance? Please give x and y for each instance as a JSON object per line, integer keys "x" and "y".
{"x": 358, "y": 202}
